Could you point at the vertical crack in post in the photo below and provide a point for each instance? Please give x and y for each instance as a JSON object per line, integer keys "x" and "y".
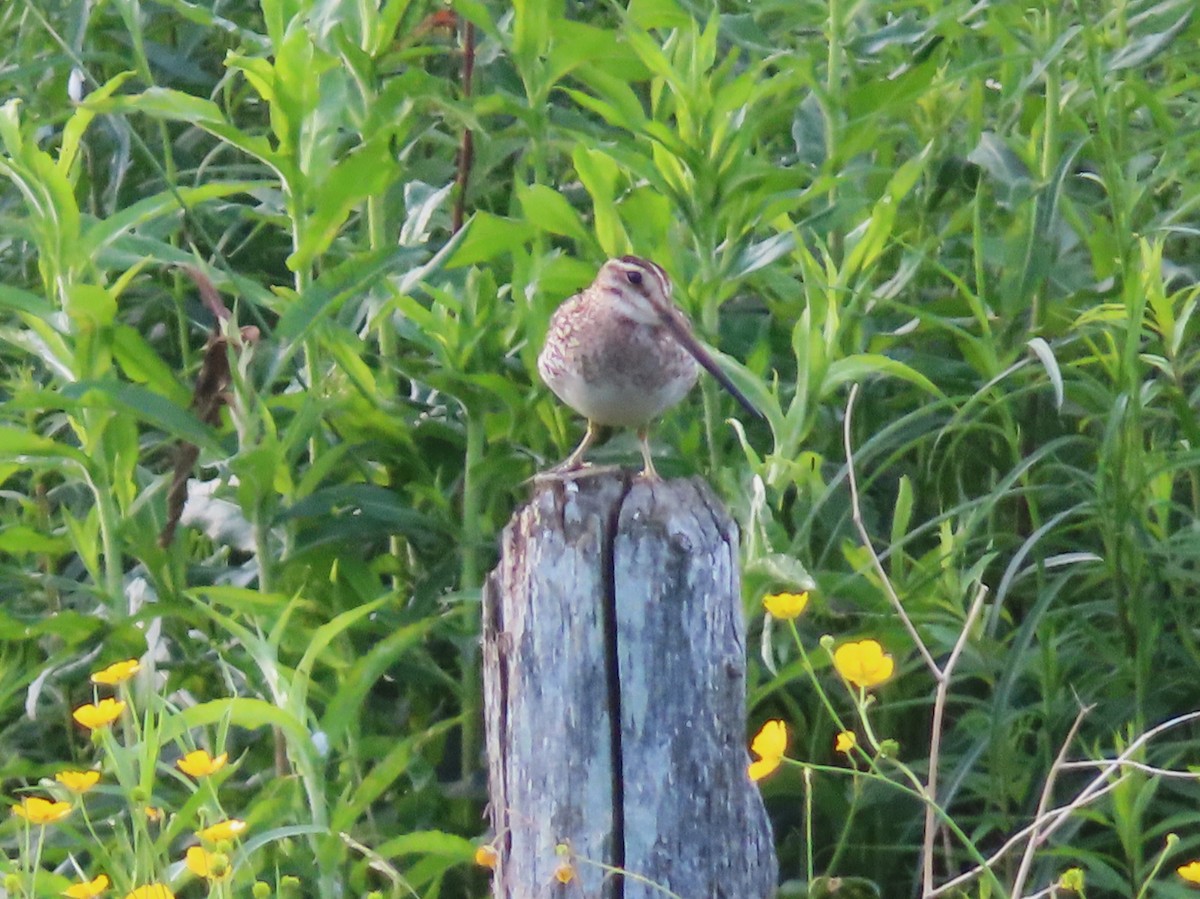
{"x": 494, "y": 632}
{"x": 612, "y": 676}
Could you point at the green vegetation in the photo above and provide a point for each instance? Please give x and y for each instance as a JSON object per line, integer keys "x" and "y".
{"x": 982, "y": 215}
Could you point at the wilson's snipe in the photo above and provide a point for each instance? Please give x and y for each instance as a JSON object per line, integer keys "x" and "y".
{"x": 621, "y": 352}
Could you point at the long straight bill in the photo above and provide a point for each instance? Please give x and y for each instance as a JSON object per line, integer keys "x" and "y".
{"x": 684, "y": 335}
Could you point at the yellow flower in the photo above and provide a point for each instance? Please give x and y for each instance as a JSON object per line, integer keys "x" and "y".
{"x": 151, "y": 891}
{"x": 153, "y": 813}
{"x": 769, "y": 744}
{"x": 845, "y": 741}
{"x": 102, "y": 714}
{"x": 487, "y": 856}
{"x": 87, "y": 889}
{"x": 37, "y": 810}
{"x": 212, "y": 865}
{"x": 201, "y": 764}
{"x": 117, "y": 673}
{"x": 565, "y": 872}
{"x": 222, "y": 830}
{"x": 864, "y": 664}
{"x": 1071, "y": 880}
{"x": 78, "y": 782}
{"x": 786, "y": 606}
{"x": 1190, "y": 872}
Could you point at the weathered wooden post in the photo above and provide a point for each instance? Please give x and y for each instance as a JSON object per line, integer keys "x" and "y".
{"x": 614, "y": 691}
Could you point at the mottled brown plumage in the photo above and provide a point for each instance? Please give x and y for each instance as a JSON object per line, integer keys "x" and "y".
{"x": 621, "y": 352}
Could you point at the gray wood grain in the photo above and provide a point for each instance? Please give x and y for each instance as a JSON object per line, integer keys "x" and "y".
{"x": 614, "y": 696}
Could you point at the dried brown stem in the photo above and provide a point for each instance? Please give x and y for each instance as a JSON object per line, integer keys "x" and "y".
{"x": 466, "y": 150}
{"x": 1035, "y": 838}
{"x": 1046, "y": 824}
{"x": 935, "y": 740}
{"x": 208, "y": 396}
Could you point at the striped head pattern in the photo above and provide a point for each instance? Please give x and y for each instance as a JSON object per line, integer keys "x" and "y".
{"x": 639, "y": 288}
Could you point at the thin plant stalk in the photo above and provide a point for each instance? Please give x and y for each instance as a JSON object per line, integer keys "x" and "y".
{"x": 809, "y": 862}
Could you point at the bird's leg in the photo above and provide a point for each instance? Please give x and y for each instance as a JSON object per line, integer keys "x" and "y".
{"x": 573, "y": 467}
{"x": 575, "y": 460}
{"x": 648, "y": 470}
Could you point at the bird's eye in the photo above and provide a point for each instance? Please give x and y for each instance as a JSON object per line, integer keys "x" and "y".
{"x": 634, "y": 277}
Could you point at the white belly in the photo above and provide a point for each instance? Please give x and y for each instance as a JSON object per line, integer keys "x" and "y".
{"x": 619, "y": 402}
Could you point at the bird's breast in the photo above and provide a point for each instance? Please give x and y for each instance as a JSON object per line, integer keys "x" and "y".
{"x": 614, "y": 370}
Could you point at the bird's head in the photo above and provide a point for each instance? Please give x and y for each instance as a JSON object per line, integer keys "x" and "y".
{"x": 638, "y": 288}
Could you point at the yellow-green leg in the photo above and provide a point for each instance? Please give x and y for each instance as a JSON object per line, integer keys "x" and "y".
{"x": 575, "y": 460}
{"x": 649, "y": 472}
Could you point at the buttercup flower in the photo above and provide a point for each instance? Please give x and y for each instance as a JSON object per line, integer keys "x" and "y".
{"x": 564, "y": 873}
{"x": 845, "y": 741}
{"x": 769, "y": 744}
{"x": 486, "y": 856}
{"x": 78, "y": 782}
{"x": 87, "y": 889}
{"x": 786, "y": 606}
{"x": 864, "y": 664}
{"x": 37, "y": 810}
{"x": 151, "y": 891}
{"x": 1071, "y": 880}
{"x": 117, "y": 673}
{"x": 211, "y": 865}
{"x": 201, "y": 764}
{"x": 100, "y": 714}
{"x": 1190, "y": 872}
{"x": 222, "y": 830}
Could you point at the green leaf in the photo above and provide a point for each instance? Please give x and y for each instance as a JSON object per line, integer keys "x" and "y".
{"x": 660, "y": 14}
{"x": 319, "y": 642}
{"x": 335, "y": 285}
{"x": 532, "y": 20}
{"x": 578, "y": 45}
{"x": 486, "y": 237}
{"x": 619, "y": 105}
{"x": 1008, "y": 173}
{"x": 141, "y": 364}
{"x": 77, "y": 124}
{"x": 781, "y": 572}
{"x": 1140, "y": 50}
{"x": 177, "y": 106}
{"x": 763, "y": 253}
{"x": 549, "y": 210}
{"x": 429, "y": 842}
{"x": 599, "y": 174}
{"x": 867, "y": 241}
{"x": 383, "y": 775}
{"x": 347, "y": 703}
{"x": 90, "y": 306}
{"x": 902, "y": 514}
{"x": 364, "y": 173}
{"x": 1045, "y": 355}
{"x": 241, "y": 712}
{"x": 23, "y": 301}
{"x": 99, "y": 234}
{"x": 19, "y": 444}
{"x": 368, "y": 502}
{"x": 345, "y": 348}
{"x": 865, "y": 365}
{"x": 148, "y": 406}
{"x": 21, "y": 541}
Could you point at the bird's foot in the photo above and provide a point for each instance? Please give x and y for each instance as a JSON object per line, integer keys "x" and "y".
{"x": 573, "y": 472}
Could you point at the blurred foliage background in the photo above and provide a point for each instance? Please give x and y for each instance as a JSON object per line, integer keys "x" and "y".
{"x": 985, "y": 214}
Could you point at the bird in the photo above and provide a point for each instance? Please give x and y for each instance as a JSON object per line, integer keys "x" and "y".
{"x": 621, "y": 352}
